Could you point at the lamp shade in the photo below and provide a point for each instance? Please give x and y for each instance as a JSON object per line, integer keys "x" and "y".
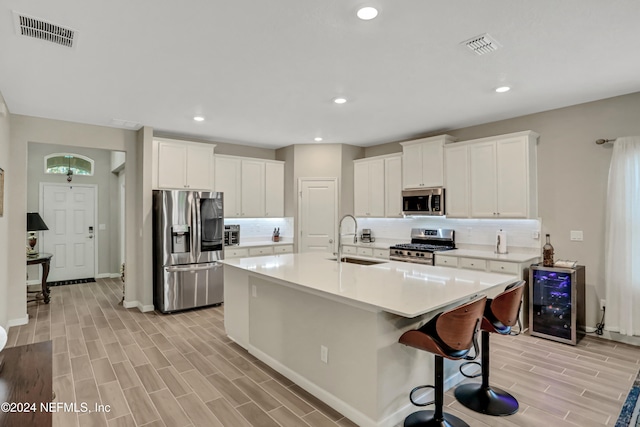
{"x": 35, "y": 222}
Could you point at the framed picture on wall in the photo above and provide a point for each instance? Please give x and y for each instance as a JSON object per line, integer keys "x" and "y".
{"x": 1, "y": 191}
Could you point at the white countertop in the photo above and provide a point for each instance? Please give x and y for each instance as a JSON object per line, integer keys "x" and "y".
{"x": 402, "y": 288}
{"x": 253, "y": 243}
{"x": 490, "y": 255}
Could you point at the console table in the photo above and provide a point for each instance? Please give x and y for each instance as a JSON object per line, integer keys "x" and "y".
{"x": 27, "y": 377}
{"x": 45, "y": 260}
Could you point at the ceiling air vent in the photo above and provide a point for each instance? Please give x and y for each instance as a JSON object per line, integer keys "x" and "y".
{"x": 481, "y": 44}
{"x": 29, "y": 26}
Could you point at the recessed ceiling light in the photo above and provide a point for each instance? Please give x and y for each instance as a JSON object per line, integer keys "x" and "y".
{"x": 317, "y": 139}
{"x": 198, "y": 119}
{"x": 367, "y": 13}
{"x": 340, "y": 100}
{"x": 503, "y": 89}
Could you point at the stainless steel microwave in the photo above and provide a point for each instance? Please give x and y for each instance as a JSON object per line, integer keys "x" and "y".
{"x": 423, "y": 201}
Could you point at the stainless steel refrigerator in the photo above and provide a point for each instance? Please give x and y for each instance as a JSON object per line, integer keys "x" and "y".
{"x": 188, "y": 229}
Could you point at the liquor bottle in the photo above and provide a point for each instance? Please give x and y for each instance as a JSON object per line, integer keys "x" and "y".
{"x": 547, "y": 253}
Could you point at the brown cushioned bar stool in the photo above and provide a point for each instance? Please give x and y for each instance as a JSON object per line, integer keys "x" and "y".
{"x": 450, "y": 334}
{"x": 500, "y": 314}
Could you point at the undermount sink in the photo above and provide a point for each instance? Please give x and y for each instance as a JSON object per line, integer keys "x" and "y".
{"x": 359, "y": 261}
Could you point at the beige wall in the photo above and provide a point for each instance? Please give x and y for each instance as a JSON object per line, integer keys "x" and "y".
{"x": 26, "y": 129}
{"x": 287, "y": 155}
{"x": 349, "y": 154}
{"x": 572, "y": 175}
{"x": 108, "y": 200}
{"x": 226, "y": 148}
{"x": 6, "y": 165}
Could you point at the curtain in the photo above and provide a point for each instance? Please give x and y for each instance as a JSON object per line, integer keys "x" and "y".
{"x": 622, "y": 238}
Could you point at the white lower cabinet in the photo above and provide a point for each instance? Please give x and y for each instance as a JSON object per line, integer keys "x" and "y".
{"x": 283, "y": 249}
{"x": 262, "y": 250}
{"x": 472, "y": 263}
{"x": 257, "y": 251}
{"x": 365, "y": 251}
{"x": 351, "y": 250}
{"x": 381, "y": 253}
{"x": 236, "y": 253}
{"x": 449, "y": 261}
{"x": 519, "y": 269}
{"x": 504, "y": 267}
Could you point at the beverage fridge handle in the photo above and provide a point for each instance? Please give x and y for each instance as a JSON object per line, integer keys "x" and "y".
{"x": 208, "y": 266}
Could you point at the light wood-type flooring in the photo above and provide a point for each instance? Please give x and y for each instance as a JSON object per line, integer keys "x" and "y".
{"x": 181, "y": 370}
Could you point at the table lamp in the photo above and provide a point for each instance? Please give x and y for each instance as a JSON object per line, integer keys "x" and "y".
{"x": 34, "y": 224}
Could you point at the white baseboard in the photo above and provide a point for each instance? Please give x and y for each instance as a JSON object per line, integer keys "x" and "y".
{"x": 34, "y": 282}
{"x": 138, "y": 305}
{"x": 341, "y": 406}
{"x": 107, "y": 276}
{"x": 18, "y": 322}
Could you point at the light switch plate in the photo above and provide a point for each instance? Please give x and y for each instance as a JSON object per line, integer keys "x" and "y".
{"x": 576, "y": 235}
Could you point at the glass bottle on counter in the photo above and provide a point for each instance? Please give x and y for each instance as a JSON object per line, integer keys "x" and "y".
{"x": 547, "y": 253}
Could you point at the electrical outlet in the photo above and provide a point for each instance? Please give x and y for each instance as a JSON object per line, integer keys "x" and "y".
{"x": 535, "y": 234}
{"x": 254, "y": 291}
{"x": 576, "y": 235}
{"x": 324, "y": 354}
{"x": 603, "y": 303}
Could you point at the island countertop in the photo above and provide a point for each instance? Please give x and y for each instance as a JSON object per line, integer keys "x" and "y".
{"x": 404, "y": 289}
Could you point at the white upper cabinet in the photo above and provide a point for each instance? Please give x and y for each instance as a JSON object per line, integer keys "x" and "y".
{"x": 274, "y": 189}
{"x": 253, "y": 188}
{"x": 423, "y": 162}
{"x": 228, "y": 181}
{"x": 377, "y": 186}
{"x": 368, "y": 187}
{"x": 182, "y": 165}
{"x": 482, "y": 175}
{"x": 456, "y": 180}
{"x": 493, "y": 177}
{"x": 393, "y": 186}
{"x": 253, "y": 192}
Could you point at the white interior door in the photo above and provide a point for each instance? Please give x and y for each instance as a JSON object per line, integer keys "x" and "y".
{"x": 69, "y": 212}
{"x": 318, "y": 214}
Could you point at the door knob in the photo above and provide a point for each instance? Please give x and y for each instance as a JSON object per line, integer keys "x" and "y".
{"x": 90, "y": 237}
{"x": 330, "y": 240}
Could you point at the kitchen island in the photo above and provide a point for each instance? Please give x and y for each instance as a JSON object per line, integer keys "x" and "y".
{"x": 333, "y": 328}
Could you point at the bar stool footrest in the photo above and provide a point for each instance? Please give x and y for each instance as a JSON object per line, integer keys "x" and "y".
{"x": 426, "y": 419}
{"x": 420, "y": 387}
{"x": 486, "y": 400}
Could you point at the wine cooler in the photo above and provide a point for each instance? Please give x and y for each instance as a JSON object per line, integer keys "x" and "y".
{"x": 556, "y": 303}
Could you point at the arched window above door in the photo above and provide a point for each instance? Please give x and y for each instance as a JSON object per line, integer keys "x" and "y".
{"x": 63, "y": 163}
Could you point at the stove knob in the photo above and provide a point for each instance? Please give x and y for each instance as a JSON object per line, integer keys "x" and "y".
{"x": 409, "y": 253}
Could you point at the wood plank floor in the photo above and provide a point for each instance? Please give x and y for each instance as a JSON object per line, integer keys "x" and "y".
{"x": 181, "y": 370}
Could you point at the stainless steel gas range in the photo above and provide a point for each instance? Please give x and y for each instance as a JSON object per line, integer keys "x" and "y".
{"x": 424, "y": 242}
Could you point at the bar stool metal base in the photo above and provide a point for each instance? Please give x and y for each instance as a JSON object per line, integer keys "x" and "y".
{"x": 486, "y": 400}
{"x": 426, "y": 419}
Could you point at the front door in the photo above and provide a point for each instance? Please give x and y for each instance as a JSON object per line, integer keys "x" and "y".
{"x": 69, "y": 212}
{"x": 318, "y": 212}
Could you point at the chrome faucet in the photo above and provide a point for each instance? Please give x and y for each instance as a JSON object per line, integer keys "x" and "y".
{"x": 355, "y": 234}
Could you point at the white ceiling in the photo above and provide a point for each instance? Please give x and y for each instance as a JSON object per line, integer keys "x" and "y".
{"x": 264, "y": 73}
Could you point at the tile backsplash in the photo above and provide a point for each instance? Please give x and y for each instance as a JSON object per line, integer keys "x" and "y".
{"x": 521, "y": 234}
{"x": 254, "y": 229}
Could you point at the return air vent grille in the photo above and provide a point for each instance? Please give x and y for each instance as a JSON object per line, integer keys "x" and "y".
{"x": 29, "y": 26}
{"x": 481, "y": 44}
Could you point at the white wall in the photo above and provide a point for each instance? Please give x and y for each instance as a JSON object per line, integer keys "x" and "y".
{"x": 7, "y": 166}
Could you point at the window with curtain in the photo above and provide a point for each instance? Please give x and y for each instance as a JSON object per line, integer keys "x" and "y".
{"x": 622, "y": 250}
{"x": 63, "y": 163}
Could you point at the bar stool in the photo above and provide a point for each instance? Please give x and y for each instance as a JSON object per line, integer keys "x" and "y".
{"x": 450, "y": 334}
{"x": 500, "y": 314}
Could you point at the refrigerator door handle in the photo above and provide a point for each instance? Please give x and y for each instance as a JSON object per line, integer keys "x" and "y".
{"x": 208, "y": 266}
